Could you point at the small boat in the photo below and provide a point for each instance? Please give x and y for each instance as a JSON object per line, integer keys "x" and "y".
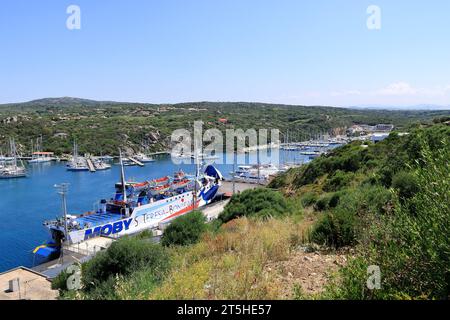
{"x": 11, "y": 171}
{"x": 160, "y": 181}
{"x": 77, "y": 166}
{"x": 144, "y": 158}
{"x": 255, "y": 174}
{"x": 180, "y": 184}
{"x": 106, "y": 158}
{"x": 160, "y": 189}
{"x": 42, "y": 157}
{"x": 134, "y": 187}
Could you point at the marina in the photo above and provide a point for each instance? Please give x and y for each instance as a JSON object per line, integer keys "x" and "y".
{"x": 22, "y": 219}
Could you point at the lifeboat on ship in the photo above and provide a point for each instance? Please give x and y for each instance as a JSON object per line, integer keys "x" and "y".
{"x": 183, "y": 183}
{"x": 159, "y": 189}
{"x": 160, "y": 181}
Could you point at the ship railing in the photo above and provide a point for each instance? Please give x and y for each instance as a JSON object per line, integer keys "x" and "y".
{"x": 84, "y": 249}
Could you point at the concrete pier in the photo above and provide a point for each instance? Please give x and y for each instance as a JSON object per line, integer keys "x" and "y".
{"x": 136, "y": 161}
{"x": 90, "y": 165}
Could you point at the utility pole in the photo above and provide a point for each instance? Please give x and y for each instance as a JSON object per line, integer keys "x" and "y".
{"x": 234, "y": 171}
{"x": 62, "y": 191}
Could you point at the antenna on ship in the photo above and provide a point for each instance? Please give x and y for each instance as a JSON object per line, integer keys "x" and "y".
{"x": 123, "y": 181}
{"x": 194, "y": 195}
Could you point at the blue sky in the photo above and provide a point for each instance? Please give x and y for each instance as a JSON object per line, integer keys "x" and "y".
{"x": 286, "y": 51}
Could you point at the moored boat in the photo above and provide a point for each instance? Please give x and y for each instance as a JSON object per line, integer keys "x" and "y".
{"x": 77, "y": 163}
{"x": 13, "y": 170}
{"x": 156, "y": 190}
{"x": 160, "y": 181}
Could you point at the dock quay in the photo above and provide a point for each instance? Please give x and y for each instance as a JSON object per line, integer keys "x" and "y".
{"x": 140, "y": 164}
{"x": 90, "y": 165}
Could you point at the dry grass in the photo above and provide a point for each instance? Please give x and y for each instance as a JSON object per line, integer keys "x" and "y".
{"x": 231, "y": 264}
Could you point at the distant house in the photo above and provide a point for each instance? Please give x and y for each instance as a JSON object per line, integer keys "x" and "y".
{"x": 223, "y": 120}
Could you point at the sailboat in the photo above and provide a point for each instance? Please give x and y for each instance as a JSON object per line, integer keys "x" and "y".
{"x": 11, "y": 171}
{"x": 38, "y": 156}
{"x": 78, "y": 163}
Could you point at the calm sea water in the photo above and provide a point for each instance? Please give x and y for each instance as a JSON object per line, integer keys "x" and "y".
{"x": 26, "y": 203}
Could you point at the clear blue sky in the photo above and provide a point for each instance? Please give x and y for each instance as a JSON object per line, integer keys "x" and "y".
{"x": 287, "y": 51}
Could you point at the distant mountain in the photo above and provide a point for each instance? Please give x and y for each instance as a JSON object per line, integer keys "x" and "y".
{"x": 59, "y": 102}
{"x": 427, "y": 107}
{"x": 78, "y": 102}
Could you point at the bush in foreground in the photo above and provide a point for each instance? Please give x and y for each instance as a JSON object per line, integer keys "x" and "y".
{"x": 124, "y": 257}
{"x": 335, "y": 230}
{"x": 185, "y": 230}
{"x": 261, "y": 203}
{"x": 412, "y": 250}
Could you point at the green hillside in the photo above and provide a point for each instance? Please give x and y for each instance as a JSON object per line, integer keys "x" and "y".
{"x": 101, "y": 127}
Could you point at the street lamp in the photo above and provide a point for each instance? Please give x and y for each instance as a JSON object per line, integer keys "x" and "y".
{"x": 62, "y": 191}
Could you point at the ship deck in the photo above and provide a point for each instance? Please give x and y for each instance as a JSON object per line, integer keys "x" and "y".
{"x": 97, "y": 219}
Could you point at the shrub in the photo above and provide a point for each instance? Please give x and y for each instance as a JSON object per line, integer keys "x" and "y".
{"x": 185, "y": 230}
{"x": 334, "y": 200}
{"x": 322, "y": 203}
{"x": 124, "y": 257}
{"x": 412, "y": 250}
{"x": 335, "y": 230}
{"x": 327, "y": 201}
{"x": 308, "y": 199}
{"x": 337, "y": 181}
{"x": 261, "y": 203}
{"x": 406, "y": 185}
{"x": 60, "y": 281}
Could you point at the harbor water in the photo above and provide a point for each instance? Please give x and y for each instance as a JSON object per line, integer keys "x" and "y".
{"x": 26, "y": 202}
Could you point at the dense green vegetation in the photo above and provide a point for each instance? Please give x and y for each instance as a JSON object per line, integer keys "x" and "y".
{"x": 389, "y": 202}
{"x": 392, "y": 203}
{"x": 185, "y": 230}
{"x": 260, "y": 203}
{"x": 137, "y": 258}
{"x": 101, "y": 127}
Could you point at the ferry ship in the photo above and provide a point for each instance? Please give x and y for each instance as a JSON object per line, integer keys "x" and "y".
{"x": 136, "y": 206}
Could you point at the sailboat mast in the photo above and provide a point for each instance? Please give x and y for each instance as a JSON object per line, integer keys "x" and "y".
{"x": 74, "y": 152}
{"x": 13, "y": 152}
